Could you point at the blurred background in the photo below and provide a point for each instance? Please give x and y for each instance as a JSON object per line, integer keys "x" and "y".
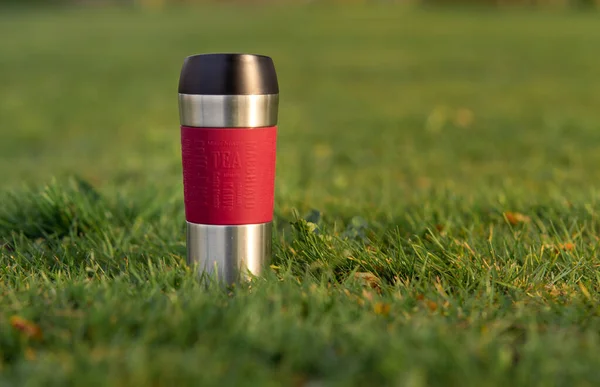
{"x": 164, "y": 3}
{"x": 153, "y": 3}
{"x": 378, "y": 98}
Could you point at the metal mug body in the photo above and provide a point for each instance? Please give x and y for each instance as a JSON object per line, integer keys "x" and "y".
{"x": 228, "y": 144}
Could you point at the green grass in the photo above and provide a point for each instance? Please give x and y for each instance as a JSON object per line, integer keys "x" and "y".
{"x": 375, "y": 174}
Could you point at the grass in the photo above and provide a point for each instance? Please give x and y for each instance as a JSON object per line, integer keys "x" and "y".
{"x": 437, "y": 204}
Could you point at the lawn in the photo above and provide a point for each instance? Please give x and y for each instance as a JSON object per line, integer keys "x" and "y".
{"x": 437, "y": 200}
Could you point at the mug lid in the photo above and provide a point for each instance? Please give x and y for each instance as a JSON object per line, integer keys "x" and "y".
{"x": 228, "y": 74}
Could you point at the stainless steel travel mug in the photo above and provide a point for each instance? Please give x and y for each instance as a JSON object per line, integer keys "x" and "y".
{"x": 228, "y": 109}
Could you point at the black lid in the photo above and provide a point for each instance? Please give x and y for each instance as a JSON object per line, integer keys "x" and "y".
{"x": 228, "y": 74}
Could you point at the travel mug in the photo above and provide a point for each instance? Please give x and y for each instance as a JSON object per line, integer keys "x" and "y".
{"x": 228, "y": 109}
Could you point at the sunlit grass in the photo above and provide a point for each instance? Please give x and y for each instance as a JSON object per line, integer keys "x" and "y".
{"x": 436, "y": 201}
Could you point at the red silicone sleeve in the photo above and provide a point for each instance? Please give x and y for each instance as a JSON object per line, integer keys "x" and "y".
{"x": 228, "y": 174}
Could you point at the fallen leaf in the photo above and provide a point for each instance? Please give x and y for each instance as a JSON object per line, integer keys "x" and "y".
{"x": 553, "y": 290}
{"x": 30, "y": 354}
{"x": 369, "y": 279}
{"x": 515, "y": 218}
{"x": 420, "y": 297}
{"x": 424, "y": 182}
{"x": 300, "y": 380}
{"x": 28, "y": 328}
{"x": 561, "y": 246}
{"x": 464, "y": 118}
{"x": 566, "y": 246}
{"x": 367, "y": 294}
{"x": 371, "y": 249}
{"x": 322, "y": 150}
{"x": 432, "y": 306}
{"x": 382, "y": 308}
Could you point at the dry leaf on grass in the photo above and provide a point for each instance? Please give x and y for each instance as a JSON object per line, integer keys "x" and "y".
{"x": 432, "y": 305}
{"x": 369, "y": 279}
{"x": 381, "y": 308}
{"x": 26, "y": 327}
{"x": 30, "y": 354}
{"x": 464, "y": 118}
{"x": 559, "y": 247}
{"x": 367, "y": 295}
{"x": 515, "y": 218}
{"x": 566, "y": 246}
